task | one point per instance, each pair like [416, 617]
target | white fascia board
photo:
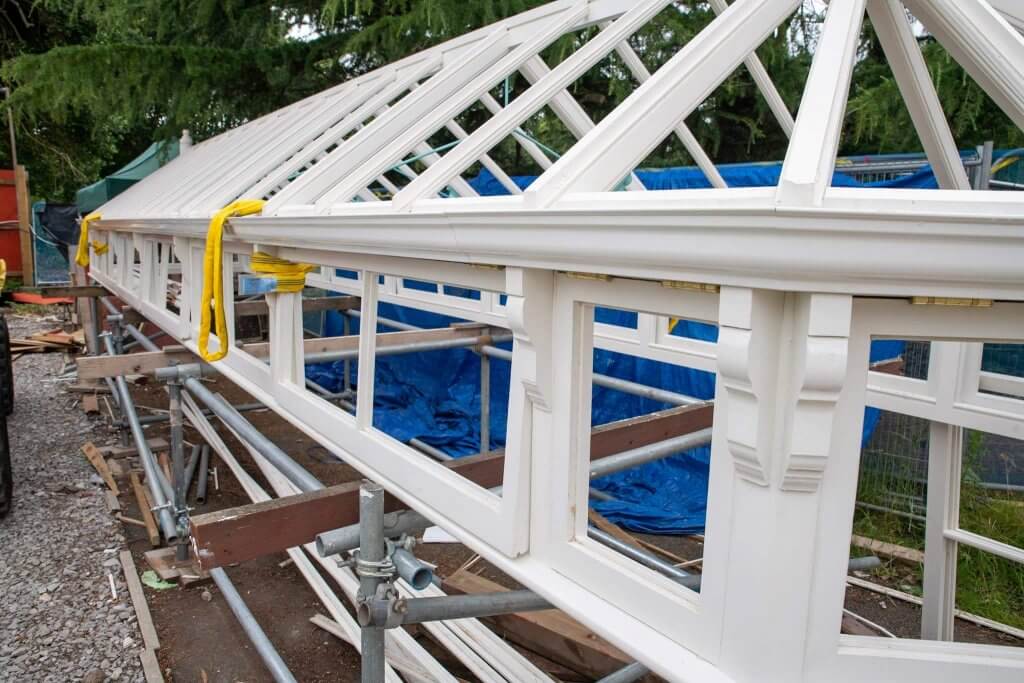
[864, 242]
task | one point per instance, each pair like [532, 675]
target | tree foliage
[95, 81]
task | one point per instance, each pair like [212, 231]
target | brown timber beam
[73, 291]
[149, 361]
[310, 305]
[245, 533]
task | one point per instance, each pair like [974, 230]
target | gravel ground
[58, 621]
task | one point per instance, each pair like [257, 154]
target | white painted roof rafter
[322, 158]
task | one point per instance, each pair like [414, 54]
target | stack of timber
[48, 342]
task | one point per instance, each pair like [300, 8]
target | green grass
[987, 585]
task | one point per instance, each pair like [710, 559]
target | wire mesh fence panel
[894, 464]
[1005, 359]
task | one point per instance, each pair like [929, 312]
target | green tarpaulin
[156, 155]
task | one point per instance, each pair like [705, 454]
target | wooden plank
[598, 520]
[143, 363]
[84, 309]
[145, 509]
[165, 464]
[28, 275]
[893, 366]
[245, 533]
[155, 444]
[853, 627]
[96, 458]
[310, 305]
[384, 339]
[90, 403]
[147, 362]
[624, 435]
[165, 563]
[131, 576]
[889, 550]
[73, 291]
[150, 666]
[88, 388]
[251, 531]
[550, 633]
[116, 467]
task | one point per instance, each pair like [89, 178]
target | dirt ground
[201, 640]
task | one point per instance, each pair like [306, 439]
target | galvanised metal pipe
[204, 474]
[406, 521]
[386, 322]
[295, 473]
[435, 453]
[419, 610]
[409, 567]
[863, 564]
[94, 325]
[136, 342]
[178, 463]
[141, 339]
[190, 468]
[347, 538]
[644, 391]
[485, 403]
[243, 408]
[627, 674]
[372, 551]
[647, 559]
[278, 669]
[154, 478]
[625, 386]
[649, 453]
[113, 392]
[398, 349]
[109, 305]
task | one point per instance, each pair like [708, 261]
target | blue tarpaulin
[435, 396]
[735, 175]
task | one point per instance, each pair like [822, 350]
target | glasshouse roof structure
[368, 189]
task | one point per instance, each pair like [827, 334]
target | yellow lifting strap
[213, 277]
[290, 276]
[82, 255]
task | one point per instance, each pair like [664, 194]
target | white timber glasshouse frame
[799, 279]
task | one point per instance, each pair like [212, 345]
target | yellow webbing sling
[82, 255]
[289, 276]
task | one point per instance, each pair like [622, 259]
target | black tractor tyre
[6, 370]
[6, 482]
